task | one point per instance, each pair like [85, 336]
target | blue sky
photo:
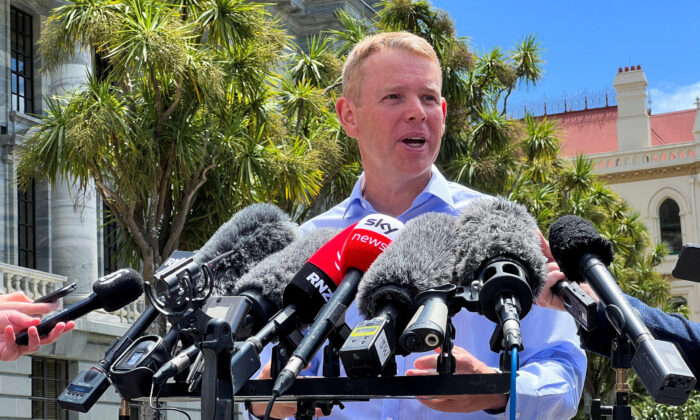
[585, 42]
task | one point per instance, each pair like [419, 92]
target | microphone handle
[329, 316]
[620, 313]
[77, 310]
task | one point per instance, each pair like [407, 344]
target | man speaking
[392, 106]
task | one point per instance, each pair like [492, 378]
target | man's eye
[392, 96]
[430, 98]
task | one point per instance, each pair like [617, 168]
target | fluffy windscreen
[118, 289]
[492, 227]
[570, 237]
[421, 258]
[247, 238]
[273, 273]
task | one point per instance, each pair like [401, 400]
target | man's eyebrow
[393, 88]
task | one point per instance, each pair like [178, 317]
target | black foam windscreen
[492, 227]
[272, 274]
[118, 289]
[247, 238]
[570, 237]
[421, 258]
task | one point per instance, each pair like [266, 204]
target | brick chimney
[633, 126]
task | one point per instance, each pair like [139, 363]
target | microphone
[303, 296]
[176, 365]
[263, 285]
[365, 242]
[421, 258]
[499, 256]
[292, 276]
[583, 255]
[249, 236]
[110, 293]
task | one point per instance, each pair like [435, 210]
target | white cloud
[674, 98]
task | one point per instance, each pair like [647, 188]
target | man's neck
[393, 199]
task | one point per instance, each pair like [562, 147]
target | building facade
[652, 161]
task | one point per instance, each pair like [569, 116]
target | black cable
[156, 408]
[274, 396]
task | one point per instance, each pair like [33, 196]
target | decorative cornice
[658, 172]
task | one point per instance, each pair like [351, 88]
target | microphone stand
[306, 409]
[446, 362]
[621, 353]
[217, 389]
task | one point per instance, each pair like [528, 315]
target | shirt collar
[437, 187]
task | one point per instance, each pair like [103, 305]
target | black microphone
[250, 235]
[583, 255]
[421, 258]
[263, 285]
[310, 261]
[499, 254]
[366, 241]
[110, 293]
[235, 255]
[270, 280]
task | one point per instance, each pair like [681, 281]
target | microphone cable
[271, 404]
[513, 376]
[158, 408]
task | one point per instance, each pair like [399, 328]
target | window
[22, 57]
[49, 379]
[26, 240]
[670, 223]
[110, 236]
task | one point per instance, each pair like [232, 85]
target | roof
[593, 131]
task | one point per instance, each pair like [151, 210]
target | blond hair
[352, 70]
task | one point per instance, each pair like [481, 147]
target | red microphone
[314, 284]
[363, 245]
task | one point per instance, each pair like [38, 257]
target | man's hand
[11, 320]
[280, 409]
[466, 364]
[547, 299]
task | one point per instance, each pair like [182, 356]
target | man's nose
[415, 110]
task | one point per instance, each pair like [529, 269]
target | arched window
[670, 223]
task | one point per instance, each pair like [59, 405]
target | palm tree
[181, 130]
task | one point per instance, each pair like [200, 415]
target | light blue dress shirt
[552, 365]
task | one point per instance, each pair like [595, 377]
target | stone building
[652, 161]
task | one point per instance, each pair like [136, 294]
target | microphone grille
[421, 258]
[118, 289]
[492, 227]
[248, 237]
[571, 236]
[273, 273]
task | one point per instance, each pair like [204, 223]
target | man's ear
[346, 114]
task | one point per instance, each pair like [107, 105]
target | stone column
[74, 228]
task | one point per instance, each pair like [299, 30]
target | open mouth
[414, 141]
